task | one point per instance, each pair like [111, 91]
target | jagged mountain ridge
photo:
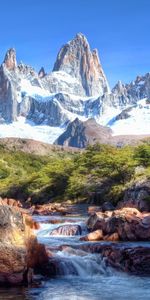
[77, 87]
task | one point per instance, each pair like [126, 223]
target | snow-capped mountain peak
[40, 105]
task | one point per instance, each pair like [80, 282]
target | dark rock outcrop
[131, 260]
[80, 134]
[42, 73]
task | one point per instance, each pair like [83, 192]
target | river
[81, 275]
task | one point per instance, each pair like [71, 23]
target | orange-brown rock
[10, 201]
[92, 209]
[51, 208]
[114, 237]
[32, 223]
[20, 252]
[96, 235]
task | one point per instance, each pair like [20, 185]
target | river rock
[134, 260]
[96, 235]
[50, 209]
[68, 230]
[10, 202]
[94, 208]
[127, 224]
[114, 237]
[19, 250]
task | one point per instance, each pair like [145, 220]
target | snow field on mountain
[23, 129]
[137, 124]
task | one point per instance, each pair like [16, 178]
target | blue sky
[119, 29]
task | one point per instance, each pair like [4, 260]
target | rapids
[80, 275]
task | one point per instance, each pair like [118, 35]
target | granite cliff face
[10, 59]
[76, 59]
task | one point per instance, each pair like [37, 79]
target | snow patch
[28, 130]
[35, 91]
[63, 76]
[137, 123]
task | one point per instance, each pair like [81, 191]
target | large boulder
[20, 252]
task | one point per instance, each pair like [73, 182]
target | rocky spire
[42, 73]
[10, 59]
[76, 59]
[119, 88]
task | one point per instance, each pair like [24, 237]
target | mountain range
[72, 100]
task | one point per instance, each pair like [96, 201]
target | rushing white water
[80, 275]
[84, 276]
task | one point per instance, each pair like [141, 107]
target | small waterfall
[77, 262]
[68, 259]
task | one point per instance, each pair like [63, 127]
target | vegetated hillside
[99, 173]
